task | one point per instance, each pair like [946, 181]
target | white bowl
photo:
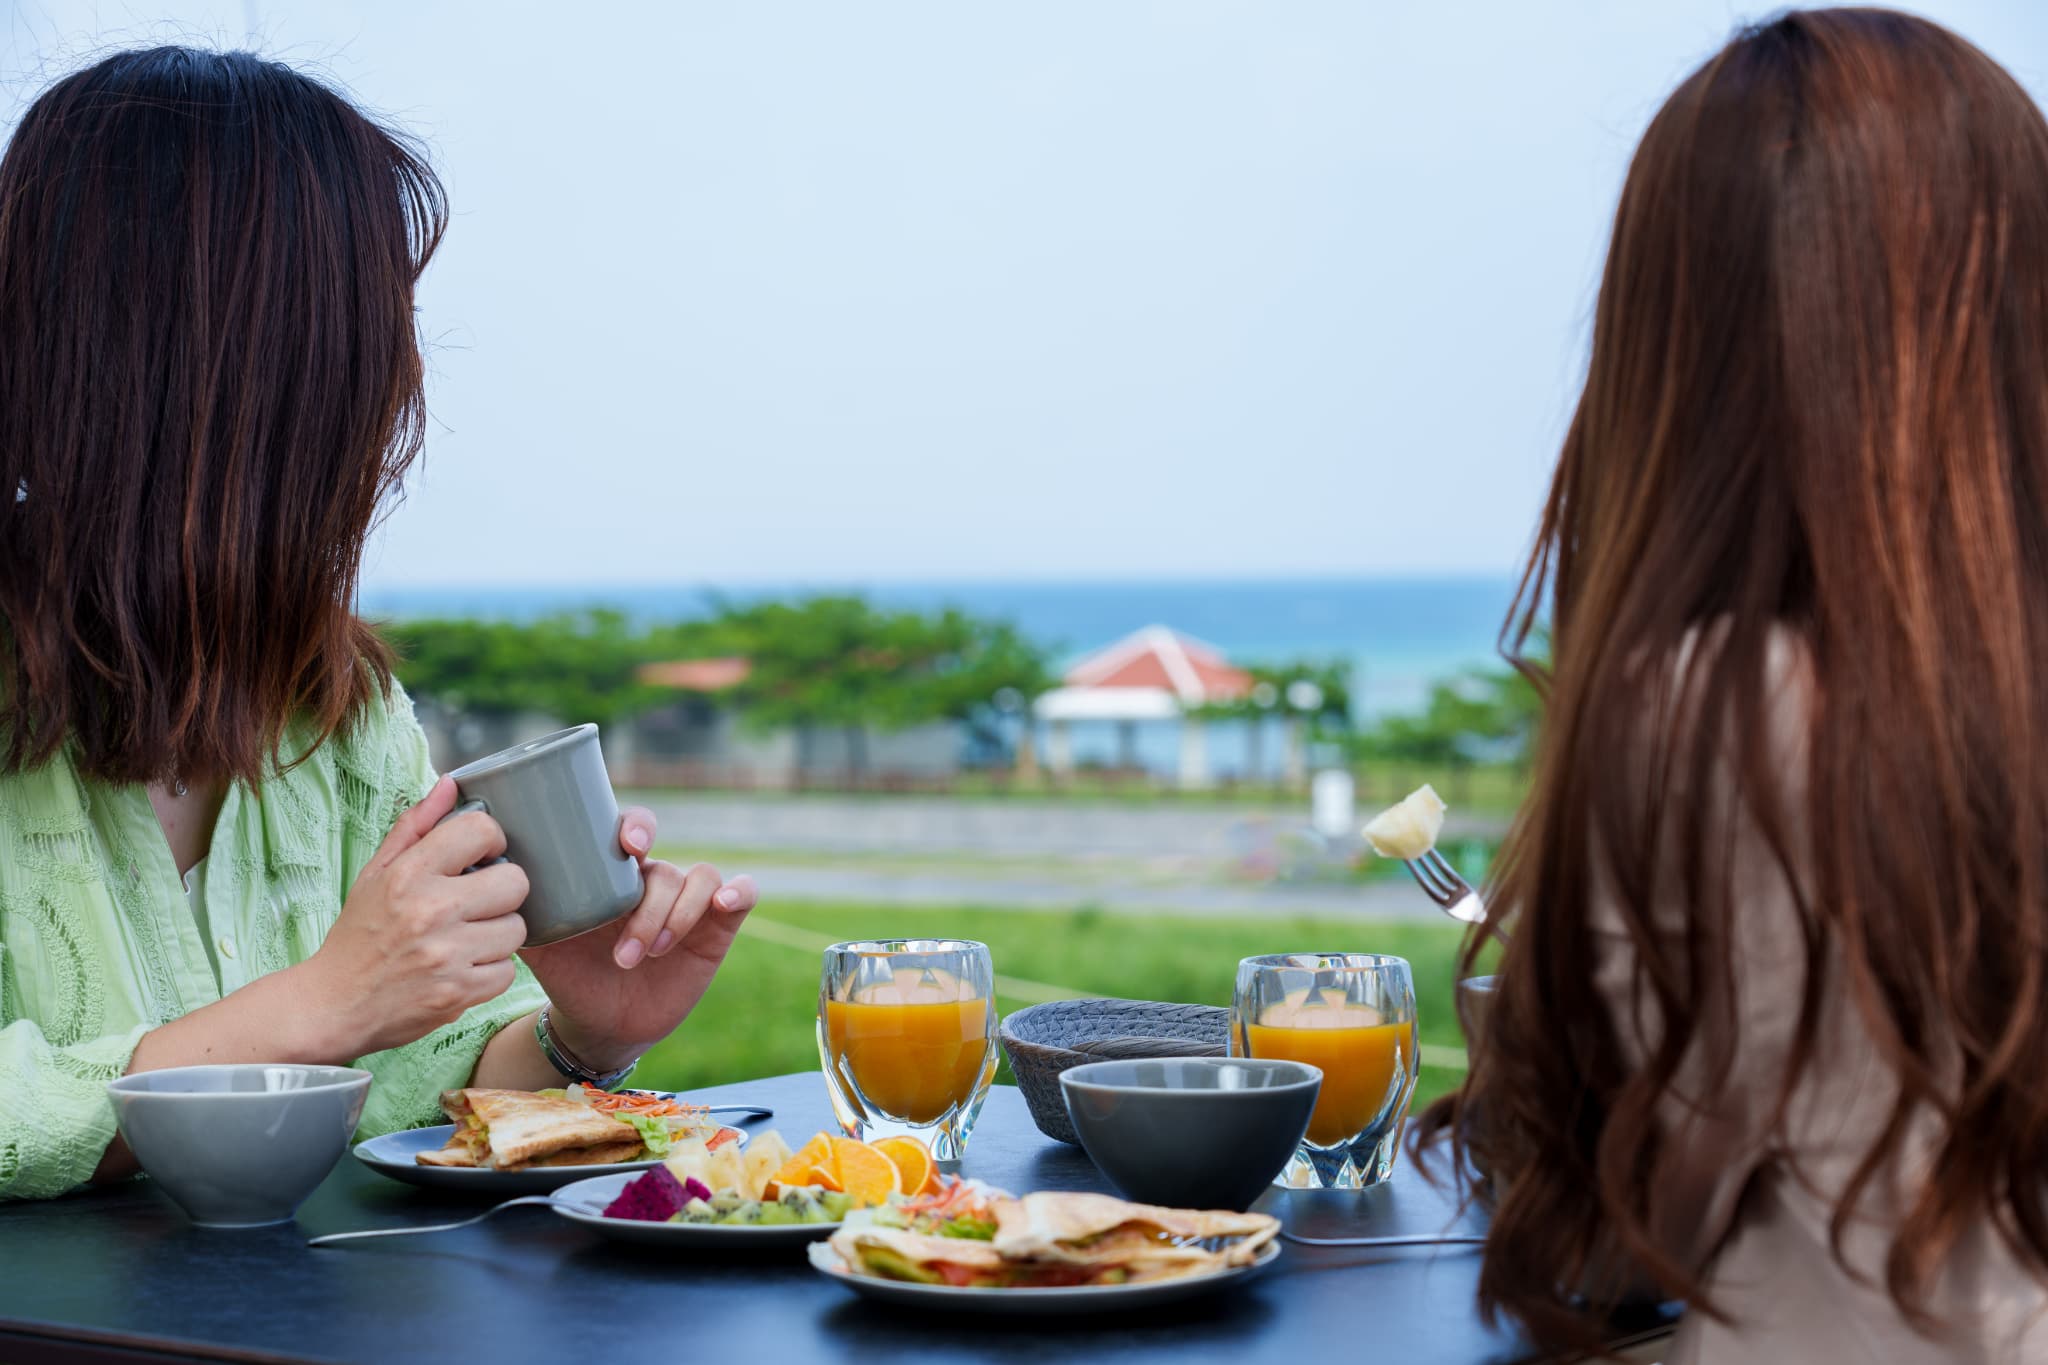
[239, 1146]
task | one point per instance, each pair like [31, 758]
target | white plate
[395, 1155]
[595, 1195]
[1085, 1298]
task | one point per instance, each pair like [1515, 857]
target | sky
[811, 291]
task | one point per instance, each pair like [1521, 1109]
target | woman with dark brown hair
[218, 820]
[1771, 1035]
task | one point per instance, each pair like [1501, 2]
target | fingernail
[727, 899]
[661, 942]
[629, 953]
[636, 839]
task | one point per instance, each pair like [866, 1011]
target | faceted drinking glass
[907, 1038]
[1353, 1016]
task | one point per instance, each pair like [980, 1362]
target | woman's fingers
[495, 940]
[671, 905]
[700, 884]
[492, 892]
[489, 980]
[458, 842]
[636, 830]
[661, 884]
[738, 895]
[416, 823]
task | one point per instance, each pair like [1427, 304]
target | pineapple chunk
[721, 1171]
[689, 1157]
[1409, 829]
[765, 1155]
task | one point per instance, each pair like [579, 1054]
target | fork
[549, 1200]
[752, 1111]
[1442, 884]
[1420, 1239]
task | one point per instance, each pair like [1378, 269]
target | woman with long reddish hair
[220, 834]
[1771, 1033]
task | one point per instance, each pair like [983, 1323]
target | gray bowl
[239, 1146]
[1191, 1132]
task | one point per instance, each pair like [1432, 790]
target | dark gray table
[119, 1275]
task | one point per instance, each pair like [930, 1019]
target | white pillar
[1297, 752]
[1027, 749]
[1059, 745]
[1194, 754]
[1333, 807]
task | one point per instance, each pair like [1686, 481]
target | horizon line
[804, 583]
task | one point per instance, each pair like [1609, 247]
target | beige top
[1764, 1200]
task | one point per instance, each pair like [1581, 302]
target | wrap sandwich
[511, 1130]
[1050, 1240]
[1094, 1229]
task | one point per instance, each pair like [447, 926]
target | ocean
[1400, 634]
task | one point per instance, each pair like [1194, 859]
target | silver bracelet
[563, 1060]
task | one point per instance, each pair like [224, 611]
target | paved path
[926, 825]
[852, 882]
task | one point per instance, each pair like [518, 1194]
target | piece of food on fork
[1409, 831]
[1409, 828]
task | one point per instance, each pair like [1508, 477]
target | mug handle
[464, 808]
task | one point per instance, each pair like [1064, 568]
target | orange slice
[913, 1160]
[867, 1176]
[801, 1169]
[821, 1177]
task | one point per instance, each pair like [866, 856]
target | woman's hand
[418, 942]
[617, 991]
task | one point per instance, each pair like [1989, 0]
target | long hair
[1816, 410]
[209, 382]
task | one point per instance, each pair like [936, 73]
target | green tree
[1483, 715]
[574, 665]
[840, 663]
[820, 662]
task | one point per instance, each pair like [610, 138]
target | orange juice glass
[1351, 1015]
[907, 1038]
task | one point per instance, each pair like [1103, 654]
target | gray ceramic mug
[554, 800]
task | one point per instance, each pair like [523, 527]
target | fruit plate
[1094, 1298]
[585, 1201]
[395, 1155]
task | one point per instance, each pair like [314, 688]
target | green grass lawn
[758, 1018]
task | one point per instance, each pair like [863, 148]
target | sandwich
[1055, 1240]
[920, 1258]
[1092, 1229]
[511, 1130]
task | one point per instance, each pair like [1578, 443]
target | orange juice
[1359, 1057]
[915, 1046]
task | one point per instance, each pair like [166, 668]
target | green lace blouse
[99, 943]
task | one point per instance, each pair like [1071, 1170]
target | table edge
[34, 1331]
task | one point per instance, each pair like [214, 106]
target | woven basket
[1044, 1040]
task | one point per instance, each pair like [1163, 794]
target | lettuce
[975, 1229]
[653, 1131]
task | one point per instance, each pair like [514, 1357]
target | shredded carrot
[955, 1197]
[654, 1106]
